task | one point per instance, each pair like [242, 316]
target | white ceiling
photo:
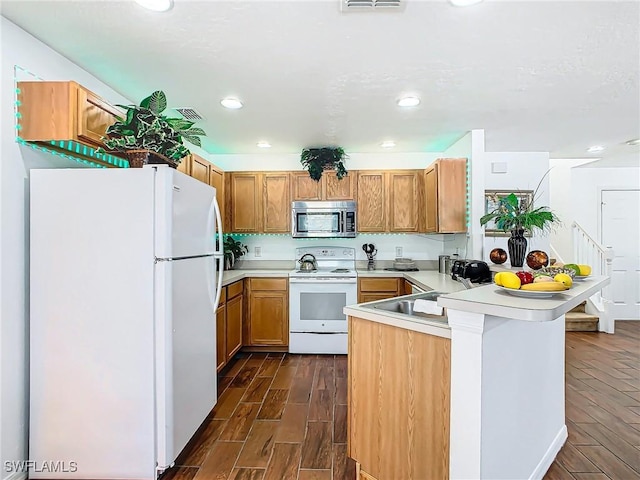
[554, 76]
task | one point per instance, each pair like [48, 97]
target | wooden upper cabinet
[304, 187]
[63, 111]
[246, 202]
[446, 196]
[94, 116]
[276, 203]
[404, 197]
[200, 168]
[216, 180]
[372, 201]
[335, 189]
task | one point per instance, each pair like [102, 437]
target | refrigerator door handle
[219, 254]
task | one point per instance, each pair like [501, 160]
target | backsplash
[415, 246]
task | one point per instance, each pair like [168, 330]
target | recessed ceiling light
[388, 144]
[595, 149]
[635, 141]
[156, 5]
[231, 102]
[264, 144]
[408, 102]
[464, 3]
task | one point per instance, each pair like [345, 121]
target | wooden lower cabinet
[268, 312]
[371, 289]
[229, 323]
[402, 379]
[234, 326]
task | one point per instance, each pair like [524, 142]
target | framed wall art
[491, 198]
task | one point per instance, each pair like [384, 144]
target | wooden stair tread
[577, 321]
[580, 316]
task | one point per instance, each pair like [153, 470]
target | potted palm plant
[518, 214]
[147, 136]
[233, 250]
[316, 160]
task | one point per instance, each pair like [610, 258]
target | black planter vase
[517, 247]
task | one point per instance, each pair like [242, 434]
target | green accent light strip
[58, 153]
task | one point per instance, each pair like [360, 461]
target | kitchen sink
[405, 305]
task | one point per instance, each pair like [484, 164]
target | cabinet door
[94, 117]
[335, 189]
[371, 201]
[216, 180]
[185, 165]
[200, 168]
[452, 195]
[269, 321]
[276, 203]
[431, 198]
[246, 202]
[304, 188]
[221, 352]
[404, 200]
[234, 326]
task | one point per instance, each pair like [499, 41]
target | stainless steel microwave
[323, 219]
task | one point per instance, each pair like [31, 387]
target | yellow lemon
[564, 279]
[510, 280]
[585, 270]
[497, 279]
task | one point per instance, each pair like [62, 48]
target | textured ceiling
[553, 76]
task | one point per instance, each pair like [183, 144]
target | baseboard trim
[550, 455]
[16, 476]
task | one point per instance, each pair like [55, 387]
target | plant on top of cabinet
[316, 160]
[145, 133]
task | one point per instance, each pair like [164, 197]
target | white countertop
[492, 300]
[230, 276]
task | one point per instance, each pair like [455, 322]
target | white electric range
[317, 297]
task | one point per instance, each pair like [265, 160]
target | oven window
[322, 306]
[318, 222]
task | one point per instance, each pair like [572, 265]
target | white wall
[587, 182]
[561, 200]
[20, 48]
[356, 161]
[523, 172]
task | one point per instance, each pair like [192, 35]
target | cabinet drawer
[235, 289]
[268, 283]
[378, 284]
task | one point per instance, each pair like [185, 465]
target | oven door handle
[328, 281]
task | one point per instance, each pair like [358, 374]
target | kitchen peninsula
[479, 394]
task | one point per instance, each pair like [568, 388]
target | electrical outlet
[257, 251]
[398, 252]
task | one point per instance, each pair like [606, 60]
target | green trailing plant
[145, 128]
[513, 212]
[233, 249]
[316, 160]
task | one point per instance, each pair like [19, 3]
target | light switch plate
[257, 251]
[398, 252]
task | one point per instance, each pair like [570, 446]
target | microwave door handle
[343, 220]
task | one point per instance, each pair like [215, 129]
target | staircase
[578, 320]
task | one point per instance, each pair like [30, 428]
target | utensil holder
[371, 264]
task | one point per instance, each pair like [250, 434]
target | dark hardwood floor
[278, 417]
[602, 406]
[283, 417]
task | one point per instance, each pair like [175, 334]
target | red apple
[525, 277]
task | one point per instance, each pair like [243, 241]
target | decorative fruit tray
[531, 293]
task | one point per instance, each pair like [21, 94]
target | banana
[544, 287]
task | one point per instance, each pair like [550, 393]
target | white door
[185, 215]
[186, 357]
[620, 214]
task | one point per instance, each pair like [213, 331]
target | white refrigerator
[123, 295]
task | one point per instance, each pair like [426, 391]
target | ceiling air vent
[189, 113]
[364, 5]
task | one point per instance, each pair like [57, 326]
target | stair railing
[588, 251]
